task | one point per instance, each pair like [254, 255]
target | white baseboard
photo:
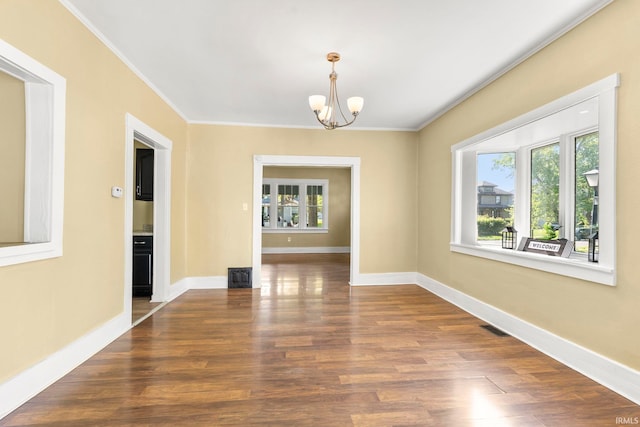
[177, 289]
[210, 282]
[308, 250]
[32, 381]
[35, 379]
[611, 374]
[381, 279]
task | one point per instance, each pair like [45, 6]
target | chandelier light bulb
[316, 102]
[355, 104]
[325, 113]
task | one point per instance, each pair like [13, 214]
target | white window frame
[464, 189]
[302, 224]
[45, 93]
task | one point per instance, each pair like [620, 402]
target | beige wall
[220, 180]
[405, 190]
[601, 318]
[338, 202]
[12, 143]
[46, 305]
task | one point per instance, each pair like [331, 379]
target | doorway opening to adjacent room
[266, 166]
[151, 224]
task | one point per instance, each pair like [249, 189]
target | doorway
[352, 163]
[157, 219]
[143, 213]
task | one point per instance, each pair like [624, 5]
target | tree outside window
[586, 159]
[545, 191]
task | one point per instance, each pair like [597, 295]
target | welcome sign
[559, 247]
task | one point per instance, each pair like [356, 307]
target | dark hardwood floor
[141, 307]
[308, 350]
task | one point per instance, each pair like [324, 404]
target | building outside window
[495, 204]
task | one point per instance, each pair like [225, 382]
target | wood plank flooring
[308, 350]
[141, 306]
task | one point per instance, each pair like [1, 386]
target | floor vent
[239, 278]
[495, 330]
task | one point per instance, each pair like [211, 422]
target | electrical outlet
[289, 239]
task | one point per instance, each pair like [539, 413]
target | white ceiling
[255, 62]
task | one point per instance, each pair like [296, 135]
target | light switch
[245, 207]
[116, 192]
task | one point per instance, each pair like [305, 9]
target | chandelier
[329, 114]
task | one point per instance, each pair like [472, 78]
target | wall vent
[239, 278]
[495, 330]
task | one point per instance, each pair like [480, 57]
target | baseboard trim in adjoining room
[308, 250]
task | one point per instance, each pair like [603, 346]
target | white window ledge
[289, 230]
[572, 267]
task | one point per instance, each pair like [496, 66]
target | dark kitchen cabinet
[142, 265]
[144, 174]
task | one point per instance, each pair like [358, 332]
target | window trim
[302, 226]
[45, 93]
[464, 188]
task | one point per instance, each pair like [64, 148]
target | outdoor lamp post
[594, 249]
[592, 179]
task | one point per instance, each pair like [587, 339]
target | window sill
[572, 267]
[19, 253]
[290, 230]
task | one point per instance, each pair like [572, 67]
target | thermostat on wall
[116, 192]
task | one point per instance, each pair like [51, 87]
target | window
[495, 195]
[586, 148]
[544, 184]
[288, 206]
[266, 203]
[297, 205]
[314, 206]
[35, 212]
[535, 168]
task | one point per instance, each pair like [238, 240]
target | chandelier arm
[347, 123]
[320, 121]
[340, 108]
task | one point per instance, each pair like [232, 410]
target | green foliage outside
[545, 186]
[489, 227]
[586, 160]
[549, 232]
